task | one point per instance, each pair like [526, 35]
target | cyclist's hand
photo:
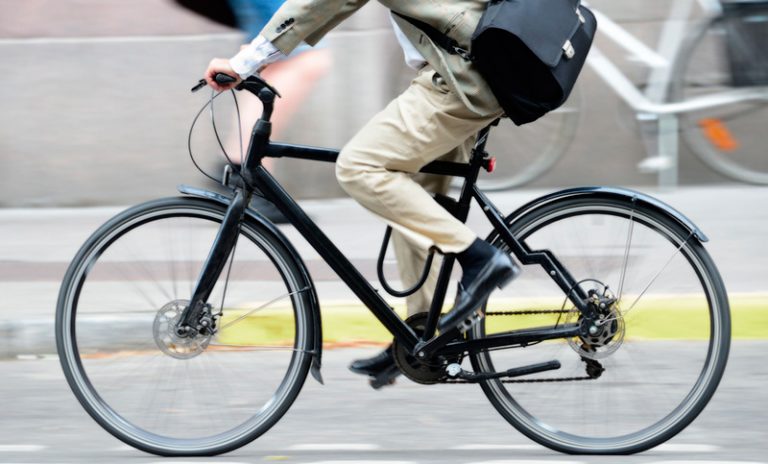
[221, 65]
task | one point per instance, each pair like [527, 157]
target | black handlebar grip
[224, 79]
[220, 78]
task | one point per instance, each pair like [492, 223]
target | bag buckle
[464, 53]
[568, 49]
[580, 15]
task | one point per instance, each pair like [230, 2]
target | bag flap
[545, 26]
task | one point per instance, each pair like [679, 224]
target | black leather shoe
[375, 365]
[497, 272]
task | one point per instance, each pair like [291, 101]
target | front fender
[615, 193]
[317, 343]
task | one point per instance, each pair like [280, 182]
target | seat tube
[441, 289]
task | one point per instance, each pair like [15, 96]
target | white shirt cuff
[258, 53]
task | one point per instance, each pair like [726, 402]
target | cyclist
[436, 117]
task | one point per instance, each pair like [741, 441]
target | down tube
[331, 254]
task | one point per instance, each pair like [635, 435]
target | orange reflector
[718, 134]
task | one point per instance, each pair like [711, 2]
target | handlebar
[254, 84]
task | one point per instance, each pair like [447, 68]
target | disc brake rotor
[601, 338]
[164, 332]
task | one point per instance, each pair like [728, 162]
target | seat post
[476, 163]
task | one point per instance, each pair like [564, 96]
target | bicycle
[188, 326]
[707, 84]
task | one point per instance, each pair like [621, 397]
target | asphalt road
[346, 421]
[40, 420]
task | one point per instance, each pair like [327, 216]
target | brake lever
[221, 78]
[200, 84]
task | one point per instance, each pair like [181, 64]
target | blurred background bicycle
[707, 84]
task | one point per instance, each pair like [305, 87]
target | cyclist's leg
[420, 126]
[375, 168]
[411, 257]
[409, 254]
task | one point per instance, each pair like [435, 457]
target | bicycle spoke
[630, 229]
[656, 276]
[258, 347]
[265, 305]
[229, 271]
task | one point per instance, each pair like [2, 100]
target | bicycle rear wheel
[664, 346]
[728, 138]
[168, 395]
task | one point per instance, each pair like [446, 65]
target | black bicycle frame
[256, 176]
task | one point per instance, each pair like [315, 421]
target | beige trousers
[379, 167]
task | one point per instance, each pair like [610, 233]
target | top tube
[261, 147]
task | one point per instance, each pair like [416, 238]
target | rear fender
[640, 199]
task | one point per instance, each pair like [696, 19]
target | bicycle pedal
[385, 378]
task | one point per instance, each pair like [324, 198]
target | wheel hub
[164, 331]
[426, 372]
[602, 336]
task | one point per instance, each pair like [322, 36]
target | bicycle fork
[190, 323]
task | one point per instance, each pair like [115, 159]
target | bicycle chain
[531, 312]
[528, 312]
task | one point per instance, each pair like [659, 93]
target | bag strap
[443, 41]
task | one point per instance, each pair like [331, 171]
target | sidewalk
[37, 244]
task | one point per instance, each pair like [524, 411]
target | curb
[26, 337]
[345, 324]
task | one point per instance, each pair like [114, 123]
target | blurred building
[96, 105]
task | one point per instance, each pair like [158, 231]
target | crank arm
[455, 371]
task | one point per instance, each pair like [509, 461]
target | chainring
[424, 372]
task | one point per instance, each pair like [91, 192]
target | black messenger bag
[530, 52]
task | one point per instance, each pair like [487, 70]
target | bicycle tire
[728, 138]
[169, 396]
[526, 153]
[659, 373]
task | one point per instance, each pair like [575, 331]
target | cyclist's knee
[349, 171]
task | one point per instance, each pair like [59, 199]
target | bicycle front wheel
[119, 304]
[656, 360]
[728, 138]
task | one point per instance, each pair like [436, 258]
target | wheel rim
[622, 410]
[235, 386]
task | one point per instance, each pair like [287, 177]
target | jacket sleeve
[306, 21]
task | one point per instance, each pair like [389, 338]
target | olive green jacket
[310, 20]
